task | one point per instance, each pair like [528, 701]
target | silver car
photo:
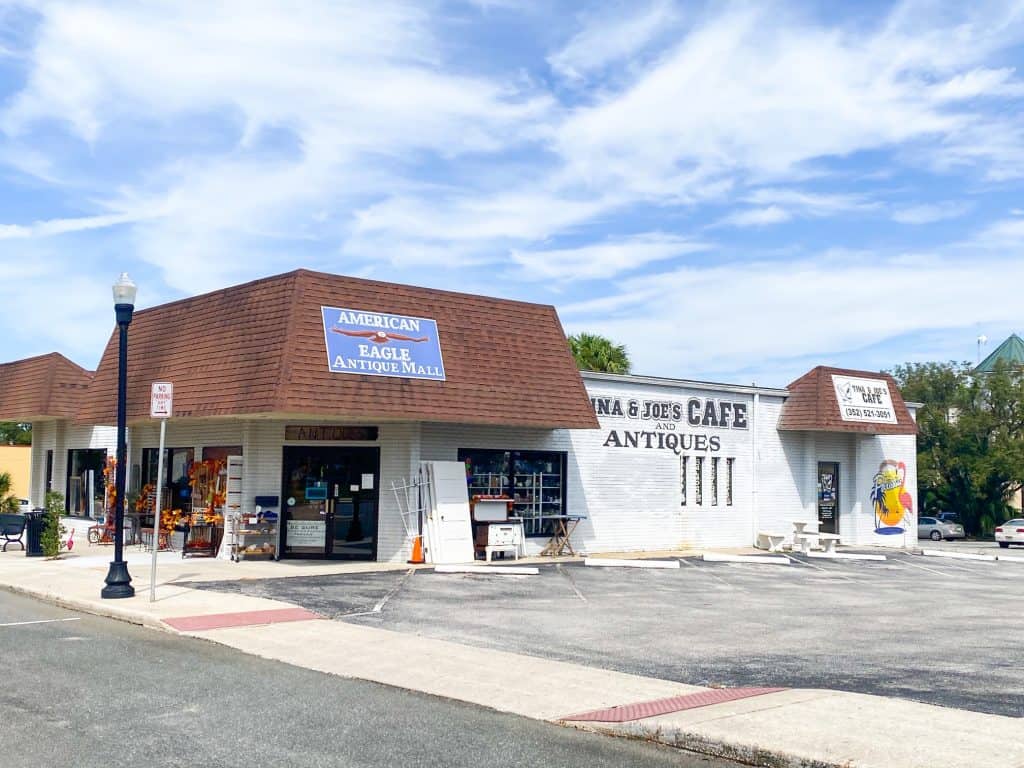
[936, 530]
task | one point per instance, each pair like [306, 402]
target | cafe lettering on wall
[667, 416]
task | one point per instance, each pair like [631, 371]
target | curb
[84, 606]
[696, 743]
[674, 738]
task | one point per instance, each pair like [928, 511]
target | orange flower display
[110, 481]
[142, 503]
[208, 484]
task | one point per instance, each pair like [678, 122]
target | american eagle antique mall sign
[381, 344]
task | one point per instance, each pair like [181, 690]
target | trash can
[35, 522]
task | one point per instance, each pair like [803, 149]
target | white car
[1010, 532]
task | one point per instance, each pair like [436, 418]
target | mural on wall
[890, 498]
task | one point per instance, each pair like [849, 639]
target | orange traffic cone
[417, 551]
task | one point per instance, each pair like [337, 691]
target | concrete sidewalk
[793, 727]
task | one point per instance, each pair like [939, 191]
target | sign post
[161, 405]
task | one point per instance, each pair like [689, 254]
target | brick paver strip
[640, 710]
[242, 619]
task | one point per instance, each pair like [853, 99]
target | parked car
[1010, 532]
[948, 517]
[936, 530]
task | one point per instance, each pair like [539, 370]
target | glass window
[535, 480]
[538, 489]
[728, 481]
[714, 481]
[698, 485]
[487, 472]
[177, 463]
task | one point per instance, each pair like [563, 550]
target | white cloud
[357, 89]
[929, 213]
[810, 203]
[358, 130]
[1006, 234]
[978, 82]
[52, 306]
[761, 92]
[611, 36]
[603, 260]
[747, 314]
[755, 217]
[63, 226]
[779, 204]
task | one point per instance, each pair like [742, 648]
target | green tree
[13, 433]
[971, 439]
[8, 501]
[597, 353]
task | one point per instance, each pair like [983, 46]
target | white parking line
[708, 572]
[958, 566]
[832, 571]
[572, 581]
[38, 621]
[930, 570]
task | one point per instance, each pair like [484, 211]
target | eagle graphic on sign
[381, 337]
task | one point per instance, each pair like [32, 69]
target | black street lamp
[119, 582]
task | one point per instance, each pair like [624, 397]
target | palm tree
[8, 501]
[597, 353]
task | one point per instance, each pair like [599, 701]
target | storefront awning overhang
[269, 347]
[42, 388]
[843, 400]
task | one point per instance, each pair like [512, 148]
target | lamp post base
[119, 583]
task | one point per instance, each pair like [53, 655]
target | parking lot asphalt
[929, 629]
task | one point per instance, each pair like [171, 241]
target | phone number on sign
[869, 413]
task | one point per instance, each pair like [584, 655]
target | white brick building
[666, 464]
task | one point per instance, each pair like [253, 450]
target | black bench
[11, 528]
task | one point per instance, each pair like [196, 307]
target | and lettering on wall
[667, 416]
[890, 498]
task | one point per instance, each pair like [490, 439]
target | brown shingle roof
[258, 348]
[40, 388]
[812, 405]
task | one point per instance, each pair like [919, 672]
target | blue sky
[736, 191]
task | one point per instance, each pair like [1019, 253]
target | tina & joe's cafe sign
[668, 422]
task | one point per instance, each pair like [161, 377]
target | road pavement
[87, 691]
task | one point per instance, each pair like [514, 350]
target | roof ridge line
[50, 372]
[285, 363]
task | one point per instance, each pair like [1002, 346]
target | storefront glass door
[828, 497]
[86, 485]
[329, 503]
